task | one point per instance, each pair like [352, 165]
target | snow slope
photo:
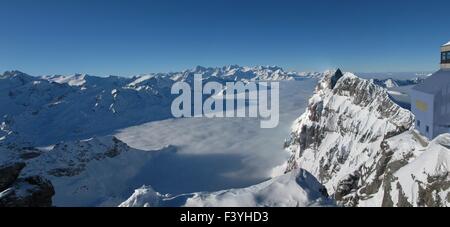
[295, 189]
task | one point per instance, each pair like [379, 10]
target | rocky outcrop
[360, 145]
[33, 191]
[9, 173]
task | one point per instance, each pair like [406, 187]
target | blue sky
[129, 37]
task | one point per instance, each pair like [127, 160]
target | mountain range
[49, 109]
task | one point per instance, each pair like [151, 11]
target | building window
[418, 123]
[427, 129]
[445, 57]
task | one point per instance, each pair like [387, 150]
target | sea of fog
[219, 153]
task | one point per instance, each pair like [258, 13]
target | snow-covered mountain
[46, 110]
[96, 172]
[364, 149]
[42, 112]
[295, 189]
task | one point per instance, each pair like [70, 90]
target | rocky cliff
[364, 149]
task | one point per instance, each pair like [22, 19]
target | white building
[430, 100]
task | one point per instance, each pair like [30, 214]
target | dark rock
[9, 174]
[29, 155]
[32, 191]
[402, 200]
[66, 172]
[434, 185]
[337, 75]
[347, 186]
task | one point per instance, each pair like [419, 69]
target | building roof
[447, 44]
[434, 83]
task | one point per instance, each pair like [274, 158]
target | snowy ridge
[238, 73]
[359, 143]
[298, 188]
[392, 83]
[76, 80]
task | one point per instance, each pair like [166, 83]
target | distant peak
[199, 68]
[238, 67]
[16, 75]
[13, 73]
[72, 80]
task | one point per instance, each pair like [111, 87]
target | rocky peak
[16, 77]
[349, 107]
[354, 139]
[335, 77]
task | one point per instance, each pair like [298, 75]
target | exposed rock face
[28, 192]
[33, 191]
[361, 145]
[9, 173]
